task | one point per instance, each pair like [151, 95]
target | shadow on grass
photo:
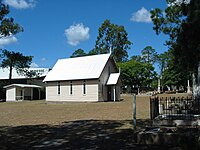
[82, 134]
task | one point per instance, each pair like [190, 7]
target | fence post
[134, 111]
[151, 108]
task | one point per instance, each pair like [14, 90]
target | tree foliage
[149, 55]
[16, 60]
[164, 61]
[78, 53]
[137, 74]
[181, 21]
[188, 40]
[169, 21]
[11, 59]
[7, 25]
[114, 37]
[94, 51]
[171, 77]
[136, 58]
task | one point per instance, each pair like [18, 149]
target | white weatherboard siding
[77, 91]
[10, 94]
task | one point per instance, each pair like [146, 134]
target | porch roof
[113, 78]
[22, 86]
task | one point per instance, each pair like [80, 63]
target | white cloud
[34, 65]
[141, 15]
[43, 59]
[7, 40]
[179, 2]
[21, 4]
[77, 33]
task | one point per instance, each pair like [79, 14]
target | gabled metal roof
[87, 67]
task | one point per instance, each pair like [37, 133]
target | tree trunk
[198, 75]
[10, 74]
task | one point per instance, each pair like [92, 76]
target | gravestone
[158, 85]
[188, 88]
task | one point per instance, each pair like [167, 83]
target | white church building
[89, 78]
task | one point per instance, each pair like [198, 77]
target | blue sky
[54, 29]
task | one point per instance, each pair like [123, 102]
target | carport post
[23, 94]
[39, 93]
[31, 93]
[134, 111]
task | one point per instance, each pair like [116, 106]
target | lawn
[102, 125]
[40, 112]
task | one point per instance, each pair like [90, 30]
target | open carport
[16, 92]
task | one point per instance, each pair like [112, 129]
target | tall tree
[188, 40]
[169, 21]
[136, 58]
[16, 60]
[7, 25]
[149, 55]
[181, 21]
[164, 60]
[115, 38]
[172, 77]
[78, 53]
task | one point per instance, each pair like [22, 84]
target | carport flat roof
[22, 85]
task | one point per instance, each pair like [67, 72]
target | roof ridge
[84, 56]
